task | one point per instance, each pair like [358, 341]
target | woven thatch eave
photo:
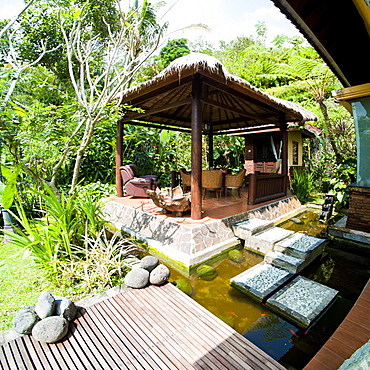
[229, 102]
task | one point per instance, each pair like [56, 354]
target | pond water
[292, 346]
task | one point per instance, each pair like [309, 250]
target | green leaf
[77, 13]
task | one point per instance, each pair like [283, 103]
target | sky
[227, 19]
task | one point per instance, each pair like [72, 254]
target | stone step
[302, 301]
[301, 246]
[264, 241]
[261, 280]
[246, 228]
[290, 263]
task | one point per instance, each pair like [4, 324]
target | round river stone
[51, 329]
[25, 320]
[149, 263]
[65, 308]
[45, 305]
[159, 275]
[137, 278]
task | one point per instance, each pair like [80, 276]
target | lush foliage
[68, 240]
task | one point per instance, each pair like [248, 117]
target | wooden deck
[152, 328]
[352, 334]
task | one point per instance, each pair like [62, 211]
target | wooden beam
[159, 126]
[240, 92]
[153, 111]
[196, 149]
[236, 110]
[247, 130]
[119, 151]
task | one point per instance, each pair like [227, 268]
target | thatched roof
[229, 102]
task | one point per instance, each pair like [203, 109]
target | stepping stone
[261, 280]
[301, 246]
[264, 241]
[245, 229]
[290, 263]
[302, 301]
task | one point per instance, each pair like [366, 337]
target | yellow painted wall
[294, 136]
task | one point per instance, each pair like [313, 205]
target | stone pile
[48, 320]
[148, 270]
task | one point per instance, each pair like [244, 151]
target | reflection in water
[309, 225]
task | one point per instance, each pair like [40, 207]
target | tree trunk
[328, 134]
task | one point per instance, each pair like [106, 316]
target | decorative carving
[173, 200]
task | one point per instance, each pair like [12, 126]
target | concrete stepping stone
[261, 280]
[245, 229]
[301, 246]
[265, 241]
[285, 261]
[302, 301]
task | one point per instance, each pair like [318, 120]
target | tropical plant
[102, 262]
[303, 185]
[337, 184]
[65, 221]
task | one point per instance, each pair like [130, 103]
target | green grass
[21, 284]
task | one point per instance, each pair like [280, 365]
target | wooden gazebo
[195, 94]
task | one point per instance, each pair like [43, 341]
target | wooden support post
[284, 153]
[252, 189]
[119, 151]
[210, 148]
[196, 149]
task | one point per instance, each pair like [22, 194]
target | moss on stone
[185, 286]
[236, 256]
[206, 272]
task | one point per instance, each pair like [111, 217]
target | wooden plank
[198, 334]
[123, 355]
[130, 344]
[201, 331]
[17, 356]
[236, 342]
[152, 328]
[165, 332]
[9, 356]
[137, 318]
[3, 360]
[215, 340]
[43, 354]
[33, 359]
[94, 344]
[133, 318]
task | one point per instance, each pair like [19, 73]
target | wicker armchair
[234, 181]
[212, 181]
[185, 179]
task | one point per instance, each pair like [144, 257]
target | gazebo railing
[263, 188]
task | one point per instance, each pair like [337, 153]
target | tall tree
[98, 68]
[313, 76]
